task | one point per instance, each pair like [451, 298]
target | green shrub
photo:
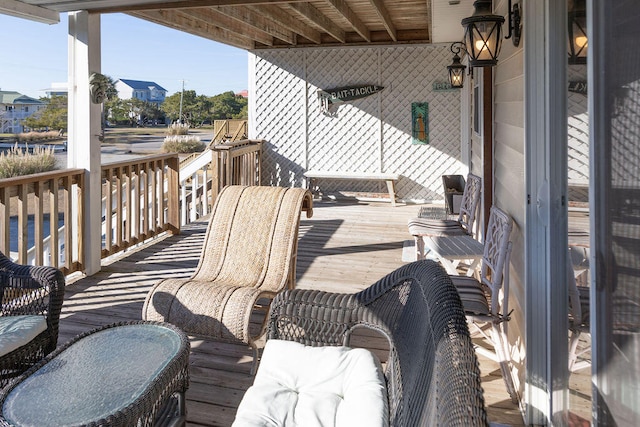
[17, 162]
[177, 129]
[182, 144]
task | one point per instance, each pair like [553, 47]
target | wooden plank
[228, 22]
[382, 12]
[308, 11]
[257, 21]
[343, 9]
[172, 19]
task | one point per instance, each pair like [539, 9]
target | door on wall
[614, 73]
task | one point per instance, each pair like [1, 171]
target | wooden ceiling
[259, 24]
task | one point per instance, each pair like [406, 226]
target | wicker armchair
[432, 372]
[249, 255]
[28, 292]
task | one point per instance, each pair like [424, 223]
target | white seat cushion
[298, 385]
[16, 331]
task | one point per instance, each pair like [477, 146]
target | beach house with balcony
[14, 108]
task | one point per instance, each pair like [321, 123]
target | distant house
[145, 91]
[57, 89]
[243, 93]
[14, 108]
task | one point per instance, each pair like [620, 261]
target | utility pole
[181, 95]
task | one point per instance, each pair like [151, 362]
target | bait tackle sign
[330, 97]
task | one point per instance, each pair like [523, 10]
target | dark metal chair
[28, 292]
[432, 372]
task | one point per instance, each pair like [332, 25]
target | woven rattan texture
[27, 289]
[249, 253]
[371, 134]
[432, 372]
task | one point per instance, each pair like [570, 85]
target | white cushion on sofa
[298, 385]
[16, 331]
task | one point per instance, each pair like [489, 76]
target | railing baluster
[23, 235]
[144, 206]
[68, 225]
[107, 173]
[128, 222]
[4, 220]
[38, 221]
[119, 213]
[54, 252]
[162, 215]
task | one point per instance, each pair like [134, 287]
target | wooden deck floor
[345, 247]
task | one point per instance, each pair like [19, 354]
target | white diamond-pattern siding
[578, 137]
[371, 134]
[280, 115]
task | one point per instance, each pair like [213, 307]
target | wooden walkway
[345, 247]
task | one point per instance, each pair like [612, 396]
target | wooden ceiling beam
[257, 21]
[314, 15]
[282, 18]
[172, 20]
[343, 9]
[157, 5]
[382, 12]
[208, 15]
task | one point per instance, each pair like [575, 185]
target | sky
[34, 55]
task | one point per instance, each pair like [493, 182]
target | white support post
[546, 389]
[84, 128]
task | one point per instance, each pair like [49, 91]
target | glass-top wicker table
[125, 374]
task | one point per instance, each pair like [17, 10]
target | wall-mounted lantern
[456, 69]
[483, 33]
[577, 27]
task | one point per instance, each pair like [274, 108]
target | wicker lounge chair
[249, 255]
[486, 301]
[422, 226]
[32, 299]
[432, 375]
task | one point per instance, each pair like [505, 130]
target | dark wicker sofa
[432, 372]
[30, 290]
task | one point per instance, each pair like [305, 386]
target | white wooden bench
[389, 178]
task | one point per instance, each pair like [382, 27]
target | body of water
[13, 230]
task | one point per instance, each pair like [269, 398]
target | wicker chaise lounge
[32, 299]
[249, 255]
[431, 374]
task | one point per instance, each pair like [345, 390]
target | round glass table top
[98, 375]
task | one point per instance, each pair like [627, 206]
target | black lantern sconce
[483, 33]
[456, 69]
[577, 27]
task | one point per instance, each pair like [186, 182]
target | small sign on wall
[579, 86]
[334, 97]
[420, 123]
[443, 87]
